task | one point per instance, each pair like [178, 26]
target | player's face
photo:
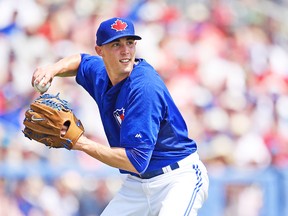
[119, 56]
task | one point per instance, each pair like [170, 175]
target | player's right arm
[66, 67]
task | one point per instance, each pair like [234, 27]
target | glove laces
[53, 101]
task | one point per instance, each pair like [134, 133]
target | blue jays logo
[119, 25]
[119, 115]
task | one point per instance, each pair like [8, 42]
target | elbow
[139, 158]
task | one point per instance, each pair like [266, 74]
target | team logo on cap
[119, 25]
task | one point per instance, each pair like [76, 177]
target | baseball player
[147, 135]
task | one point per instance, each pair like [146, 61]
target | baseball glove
[46, 118]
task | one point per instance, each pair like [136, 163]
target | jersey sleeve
[90, 74]
[141, 124]
[139, 158]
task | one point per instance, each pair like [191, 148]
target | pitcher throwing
[147, 135]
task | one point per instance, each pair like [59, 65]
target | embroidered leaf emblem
[119, 25]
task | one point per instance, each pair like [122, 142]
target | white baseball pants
[180, 192]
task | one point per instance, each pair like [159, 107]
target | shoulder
[144, 73]
[142, 64]
[91, 65]
[91, 59]
[91, 68]
[144, 79]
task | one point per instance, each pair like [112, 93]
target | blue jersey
[138, 114]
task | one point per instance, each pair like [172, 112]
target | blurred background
[225, 63]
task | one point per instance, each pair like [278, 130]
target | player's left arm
[115, 157]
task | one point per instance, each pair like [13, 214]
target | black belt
[154, 173]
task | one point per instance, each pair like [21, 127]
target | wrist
[81, 143]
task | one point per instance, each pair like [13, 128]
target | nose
[124, 49]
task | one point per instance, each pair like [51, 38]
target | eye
[116, 44]
[130, 42]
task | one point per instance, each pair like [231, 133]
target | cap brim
[136, 37]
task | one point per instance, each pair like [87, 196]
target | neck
[116, 78]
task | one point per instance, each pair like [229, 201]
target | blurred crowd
[225, 63]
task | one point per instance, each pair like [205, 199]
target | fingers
[63, 130]
[41, 75]
[36, 77]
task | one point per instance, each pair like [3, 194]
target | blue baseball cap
[113, 29]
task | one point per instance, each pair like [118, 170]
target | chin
[128, 69]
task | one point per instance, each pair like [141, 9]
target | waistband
[194, 157]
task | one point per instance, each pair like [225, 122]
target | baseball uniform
[139, 114]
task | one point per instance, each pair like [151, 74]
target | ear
[98, 50]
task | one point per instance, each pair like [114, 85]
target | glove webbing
[52, 103]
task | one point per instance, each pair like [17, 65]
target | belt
[191, 159]
[158, 172]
